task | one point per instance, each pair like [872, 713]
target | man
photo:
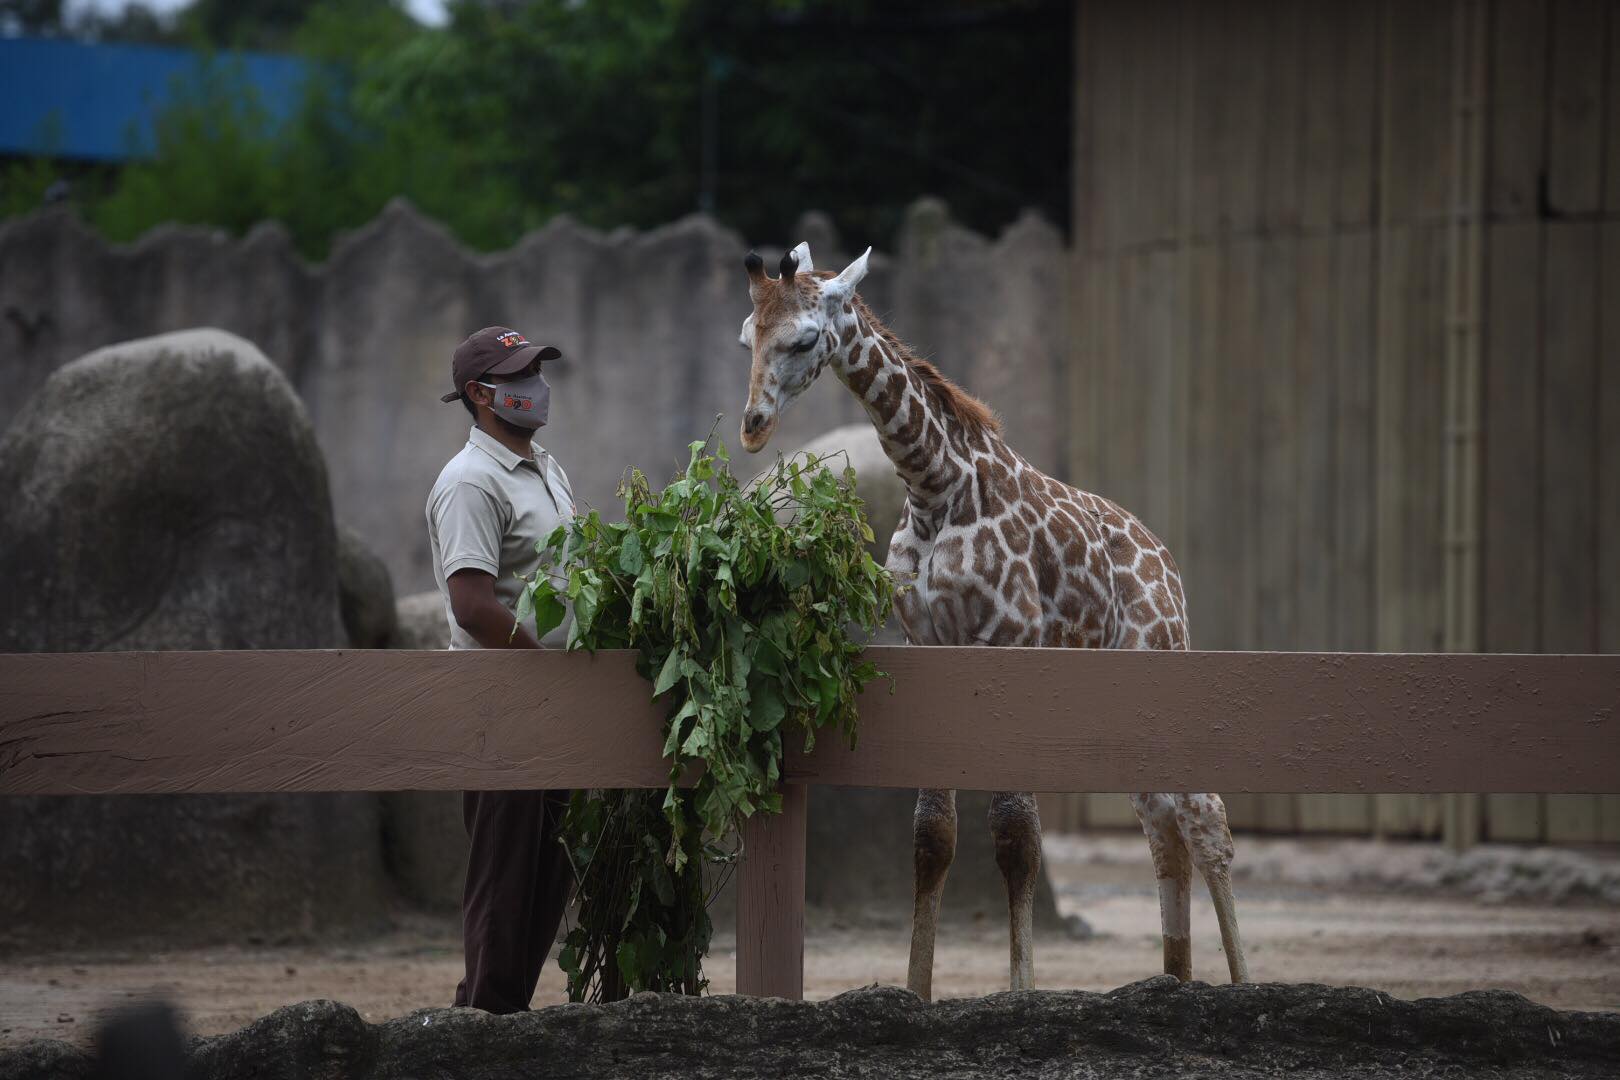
[494, 499]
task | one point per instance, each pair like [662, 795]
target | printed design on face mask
[511, 339]
[512, 402]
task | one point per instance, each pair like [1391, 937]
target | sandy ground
[1339, 925]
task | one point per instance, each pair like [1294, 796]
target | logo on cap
[511, 339]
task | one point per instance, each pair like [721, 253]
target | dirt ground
[1346, 921]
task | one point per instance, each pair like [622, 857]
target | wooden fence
[980, 719]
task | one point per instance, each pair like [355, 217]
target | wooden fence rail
[978, 719]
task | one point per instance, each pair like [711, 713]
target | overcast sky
[428, 11]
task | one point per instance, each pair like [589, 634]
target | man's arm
[472, 601]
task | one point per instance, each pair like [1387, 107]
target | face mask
[525, 403]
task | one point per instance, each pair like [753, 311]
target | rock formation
[169, 494]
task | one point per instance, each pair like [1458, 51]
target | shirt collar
[489, 445]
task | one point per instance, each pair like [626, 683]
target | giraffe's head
[793, 331]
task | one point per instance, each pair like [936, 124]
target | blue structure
[96, 102]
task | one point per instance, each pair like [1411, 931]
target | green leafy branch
[743, 604]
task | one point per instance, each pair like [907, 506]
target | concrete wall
[647, 321]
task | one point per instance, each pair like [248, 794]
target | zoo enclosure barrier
[967, 718]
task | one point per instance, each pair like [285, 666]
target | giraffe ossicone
[991, 551]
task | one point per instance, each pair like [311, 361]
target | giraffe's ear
[803, 253]
[841, 288]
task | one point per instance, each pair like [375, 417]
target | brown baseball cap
[494, 350]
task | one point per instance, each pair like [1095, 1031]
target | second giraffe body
[991, 552]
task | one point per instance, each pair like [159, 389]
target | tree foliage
[740, 602]
[618, 112]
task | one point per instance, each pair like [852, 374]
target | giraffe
[991, 552]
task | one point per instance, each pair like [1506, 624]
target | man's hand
[472, 601]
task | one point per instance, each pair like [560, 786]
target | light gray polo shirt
[486, 511]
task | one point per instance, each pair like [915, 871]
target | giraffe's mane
[974, 415]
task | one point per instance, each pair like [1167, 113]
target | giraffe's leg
[1209, 840]
[1157, 813]
[934, 846]
[1015, 825]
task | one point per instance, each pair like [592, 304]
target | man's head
[792, 333]
[488, 363]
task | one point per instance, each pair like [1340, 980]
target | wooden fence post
[770, 900]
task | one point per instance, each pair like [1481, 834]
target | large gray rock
[420, 622]
[365, 594]
[168, 494]
[1156, 1028]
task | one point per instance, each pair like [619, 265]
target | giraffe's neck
[928, 446]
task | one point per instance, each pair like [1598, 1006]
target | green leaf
[549, 611]
[630, 557]
[765, 707]
[668, 673]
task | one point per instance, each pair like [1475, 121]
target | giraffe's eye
[807, 340]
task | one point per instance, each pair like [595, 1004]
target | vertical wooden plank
[1396, 815]
[1608, 450]
[1227, 128]
[1410, 416]
[1515, 818]
[1138, 410]
[1354, 484]
[1517, 104]
[1512, 416]
[1569, 438]
[1572, 819]
[1107, 142]
[1278, 812]
[1609, 818]
[1575, 109]
[1129, 41]
[1282, 131]
[1201, 61]
[1237, 364]
[1273, 528]
[1414, 195]
[1104, 357]
[1315, 464]
[770, 900]
[1082, 133]
[1158, 122]
[1156, 308]
[1611, 137]
[1242, 152]
[1209, 608]
[1425, 408]
[1354, 813]
[1316, 814]
[1417, 113]
[1082, 433]
[1123, 403]
[1359, 137]
[1394, 255]
[1322, 53]
[1110, 810]
[1464, 821]
[1244, 811]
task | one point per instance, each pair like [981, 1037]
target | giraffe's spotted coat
[991, 551]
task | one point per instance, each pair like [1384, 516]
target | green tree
[618, 112]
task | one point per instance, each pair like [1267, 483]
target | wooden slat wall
[1262, 198]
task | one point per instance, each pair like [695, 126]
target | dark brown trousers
[518, 881]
